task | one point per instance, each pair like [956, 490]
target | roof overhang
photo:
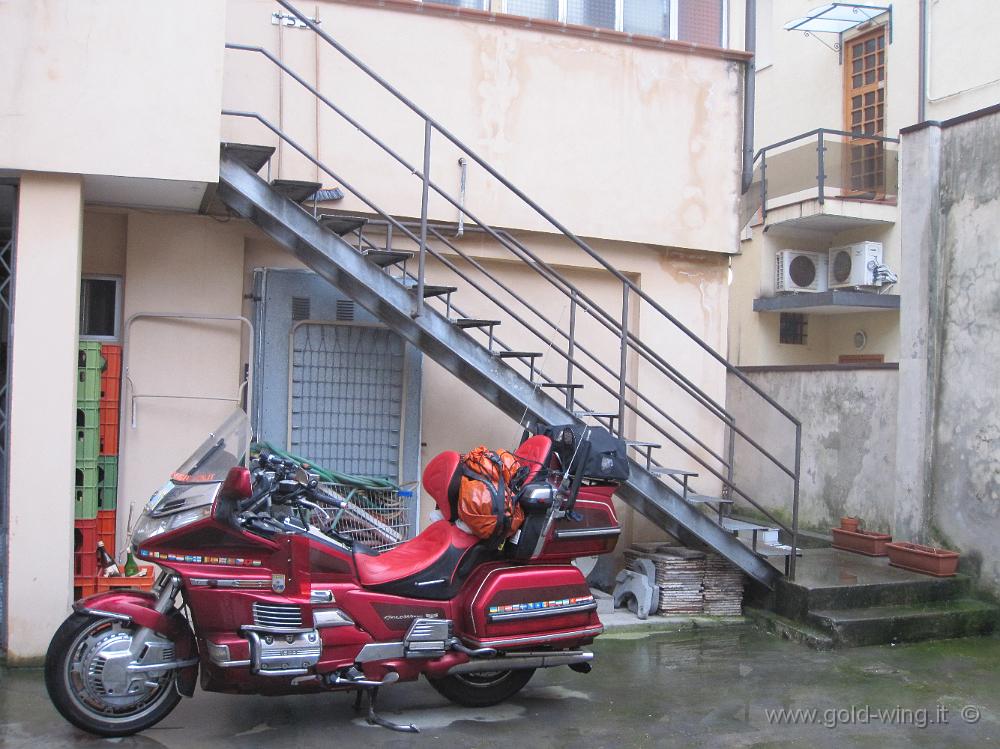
[838, 19]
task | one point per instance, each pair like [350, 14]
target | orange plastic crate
[116, 583]
[109, 430]
[111, 376]
[83, 587]
[85, 548]
[107, 521]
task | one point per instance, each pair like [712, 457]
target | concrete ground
[715, 687]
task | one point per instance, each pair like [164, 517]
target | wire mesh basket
[376, 512]
[379, 518]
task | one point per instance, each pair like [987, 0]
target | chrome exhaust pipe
[521, 661]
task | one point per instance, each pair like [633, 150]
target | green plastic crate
[90, 356]
[90, 365]
[88, 387]
[88, 432]
[85, 491]
[107, 482]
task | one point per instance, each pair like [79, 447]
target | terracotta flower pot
[920, 558]
[850, 524]
[861, 542]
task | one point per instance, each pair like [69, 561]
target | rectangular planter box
[861, 542]
[925, 559]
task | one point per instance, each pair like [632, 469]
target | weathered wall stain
[848, 443]
[964, 498]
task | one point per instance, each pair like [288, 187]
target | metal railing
[618, 381]
[823, 163]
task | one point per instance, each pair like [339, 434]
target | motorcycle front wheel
[482, 690]
[89, 681]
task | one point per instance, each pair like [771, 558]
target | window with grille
[792, 328]
[864, 98]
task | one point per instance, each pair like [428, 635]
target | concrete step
[878, 625]
[831, 579]
[788, 629]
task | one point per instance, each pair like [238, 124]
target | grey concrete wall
[848, 443]
[952, 497]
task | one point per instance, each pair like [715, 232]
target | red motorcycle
[260, 593]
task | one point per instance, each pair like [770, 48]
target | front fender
[137, 607]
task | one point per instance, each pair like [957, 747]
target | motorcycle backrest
[438, 477]
[535, 452]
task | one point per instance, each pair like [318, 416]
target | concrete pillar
[921, 292]
[43, 413]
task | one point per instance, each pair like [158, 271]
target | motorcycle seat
[432, 565]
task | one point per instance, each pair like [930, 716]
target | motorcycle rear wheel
[76, 685]
[482, 690]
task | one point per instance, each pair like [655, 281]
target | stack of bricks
[97, 409]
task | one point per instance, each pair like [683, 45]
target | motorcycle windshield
[223, 449]
[189, 495]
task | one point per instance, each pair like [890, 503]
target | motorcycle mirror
[237, 484]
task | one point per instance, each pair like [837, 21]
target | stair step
[295, 190]
[472, 322]
[385, 258]
[741, 525]
[663, 471]
[706, 499]
[562, 385]
[253, 156]
[516, 354]
[432, 291]
[341, 225]
[877, 625]
[776, 550]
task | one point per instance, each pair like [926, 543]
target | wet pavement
[720, 687]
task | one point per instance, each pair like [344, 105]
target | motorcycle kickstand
[374, 719]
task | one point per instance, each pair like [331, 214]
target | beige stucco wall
[174, 263]
[42, 412]
[95, 88]
[617, 141]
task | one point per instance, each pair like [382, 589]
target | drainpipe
[922, 66]
[750, 36]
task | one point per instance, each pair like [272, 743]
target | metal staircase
[370, 258]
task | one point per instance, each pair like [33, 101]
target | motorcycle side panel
[597, 508]
[528, 606]
[388, 617]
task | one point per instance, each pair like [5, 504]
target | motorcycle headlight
[149, 526]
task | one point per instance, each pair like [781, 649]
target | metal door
[333, 384]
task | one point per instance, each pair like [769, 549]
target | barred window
[792, 328]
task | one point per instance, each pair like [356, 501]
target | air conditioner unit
[796, 270]
[854, 264]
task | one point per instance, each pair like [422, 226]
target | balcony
[824, 181]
